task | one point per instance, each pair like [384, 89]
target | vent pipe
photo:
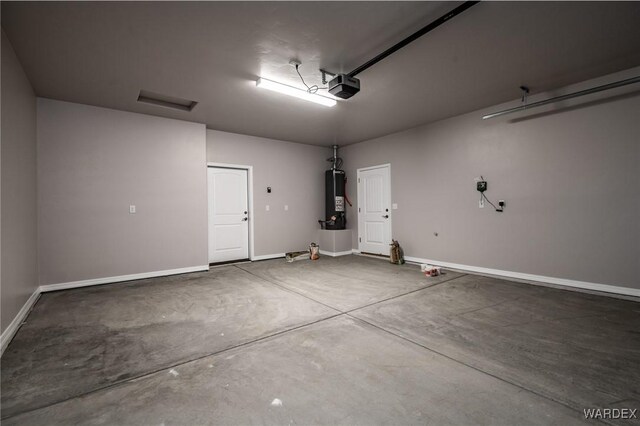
[335, 157]
[336, 162]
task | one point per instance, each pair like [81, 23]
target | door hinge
[358, 209]
[358, 180]
[359, 240]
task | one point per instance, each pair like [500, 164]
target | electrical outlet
[132, 209]
[267, 208]
[481, 203]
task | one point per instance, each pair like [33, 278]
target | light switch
[286, 207]
[267, 208]
[394, 206]
[132, 209]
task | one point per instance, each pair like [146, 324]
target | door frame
[249, 170]
[358, 172]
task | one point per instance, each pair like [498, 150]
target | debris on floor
[314, 251]
[297, 255]
[174, 373]
[430, 270]
[397, 254]
[276, 403]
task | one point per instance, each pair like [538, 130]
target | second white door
[374, 210]
[228, 214]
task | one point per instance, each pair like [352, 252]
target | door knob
[386, 216]
[245, 219]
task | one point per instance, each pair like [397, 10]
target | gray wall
[92, 164]
[19, 216]
[295, 172]
[569, 174]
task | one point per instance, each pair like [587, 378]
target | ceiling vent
[166, 101]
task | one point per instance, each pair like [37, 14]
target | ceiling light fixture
[166, 101]
[285, 89]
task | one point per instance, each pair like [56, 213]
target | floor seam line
[333, 314]
[404, 294]
[290, 290]
[119, 383]
[465, 364]
[486, 307]
[359, 307]
[181, 363]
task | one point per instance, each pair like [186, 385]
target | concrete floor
[350, 340]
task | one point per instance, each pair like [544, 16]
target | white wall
[569, 174]
[295, 172]
[19, 275]
[92, 164]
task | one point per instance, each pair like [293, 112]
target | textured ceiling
[103, 53]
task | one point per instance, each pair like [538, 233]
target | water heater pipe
[336, 162]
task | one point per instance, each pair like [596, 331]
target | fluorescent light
[263, 83]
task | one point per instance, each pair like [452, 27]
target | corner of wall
[18, 238]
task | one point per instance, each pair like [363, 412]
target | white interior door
[228, 214]
[374, 210]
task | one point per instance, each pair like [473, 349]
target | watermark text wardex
[611, 413]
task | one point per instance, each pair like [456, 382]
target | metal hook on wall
[525, 93]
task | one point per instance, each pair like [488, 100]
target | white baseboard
[626, 291]
[337, 253]
[268, 256]
[355, 251]
[10, 331]
[121, 278]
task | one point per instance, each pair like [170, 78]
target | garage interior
[162, 166]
